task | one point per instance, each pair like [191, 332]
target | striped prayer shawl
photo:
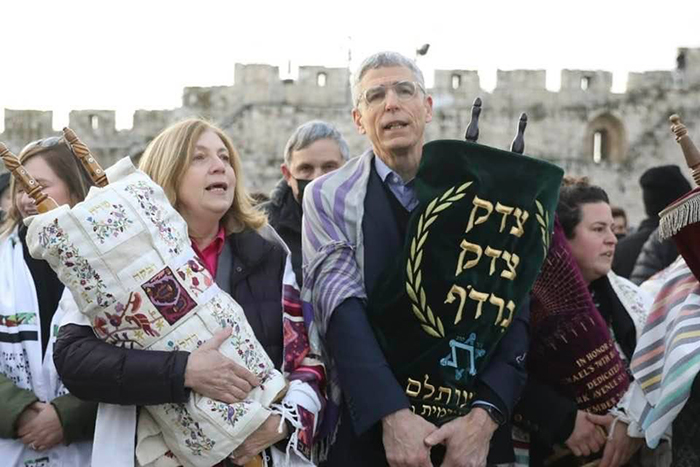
[333, 255]
[667, 358]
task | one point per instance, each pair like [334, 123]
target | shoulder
[352, 171]
[636, 300]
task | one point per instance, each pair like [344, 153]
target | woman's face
[51, 184]
[593, 244]
[207, 188]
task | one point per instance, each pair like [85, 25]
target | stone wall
[260, 110]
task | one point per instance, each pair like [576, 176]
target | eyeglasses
[42, 143]
[404, 90]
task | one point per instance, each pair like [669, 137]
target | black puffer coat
[284, 214]
[628, 249]
[656, 255]
[97, 371]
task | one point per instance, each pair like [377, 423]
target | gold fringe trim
[680, 215]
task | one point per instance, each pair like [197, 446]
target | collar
[384, 171]
[210, 253]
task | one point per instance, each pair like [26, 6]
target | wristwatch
[495, 414]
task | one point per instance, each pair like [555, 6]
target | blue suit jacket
[370, 390]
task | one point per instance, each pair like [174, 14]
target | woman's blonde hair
[59, 157]
[168, 156]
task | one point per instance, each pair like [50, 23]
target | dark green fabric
[77, 418]
[14, 401]
[409, 309]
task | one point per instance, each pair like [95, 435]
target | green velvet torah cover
[473, 249]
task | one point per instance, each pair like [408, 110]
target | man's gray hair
[310, 132]
[383, 60]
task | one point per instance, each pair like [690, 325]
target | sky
[128, 55]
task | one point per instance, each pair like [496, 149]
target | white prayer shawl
[132, 208]
[21, 360]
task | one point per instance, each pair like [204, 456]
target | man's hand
[28, 414]
[620, 447]
[211, 374]
[467, 439]
[44, 431]
[266, 435]
[403, 434]
[587, 437]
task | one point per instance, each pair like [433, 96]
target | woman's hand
[28, 414]
[265, 436]
[211, 374]
[620, 447]
[587, 437]
[44, 431]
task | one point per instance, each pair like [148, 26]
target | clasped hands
[408, 439]
[39, 426]
[589, 436]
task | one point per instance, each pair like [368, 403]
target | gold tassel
[678, 216]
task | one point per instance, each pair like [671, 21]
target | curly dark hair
[573, 193]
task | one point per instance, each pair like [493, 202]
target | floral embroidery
[84, 277]
[195, 439]
[17, 319]
[195, 276]
[246, 348]
[144, 194]
[168, 296]
[230, 413]
[125, 326]
[115, 224]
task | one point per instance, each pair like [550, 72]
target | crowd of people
[327, 270]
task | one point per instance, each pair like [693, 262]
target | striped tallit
[333, 252]
[667, 358]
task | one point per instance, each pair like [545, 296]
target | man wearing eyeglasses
[355, 222]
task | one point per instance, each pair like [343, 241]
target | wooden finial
[472, 133]
[518, 144]
[690, 151]
[44, 203]
[83, 153]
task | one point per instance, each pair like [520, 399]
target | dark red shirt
[210, 254]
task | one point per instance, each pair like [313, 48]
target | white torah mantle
[125, 255]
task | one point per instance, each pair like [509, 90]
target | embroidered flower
[81, 274]
[144, 195]
[115, 224]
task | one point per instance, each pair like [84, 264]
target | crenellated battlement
[584, 126]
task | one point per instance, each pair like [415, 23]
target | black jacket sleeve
[362, 367]
[656, 255]
[548, 415]
[502, 381]
[94, 370]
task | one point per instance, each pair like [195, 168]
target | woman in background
[40, 422]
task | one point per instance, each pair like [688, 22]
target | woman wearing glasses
[40, 422]
[200, 172]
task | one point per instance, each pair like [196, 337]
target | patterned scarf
[667, 358]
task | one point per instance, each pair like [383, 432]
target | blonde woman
[39, 420]
[200, 172]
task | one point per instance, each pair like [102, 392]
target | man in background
[314, 149]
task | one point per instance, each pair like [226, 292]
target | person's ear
[428, 109]
[286, 173]
[357, 119]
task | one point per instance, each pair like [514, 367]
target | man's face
[620, 225]
[393, 125]
[319, 158]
